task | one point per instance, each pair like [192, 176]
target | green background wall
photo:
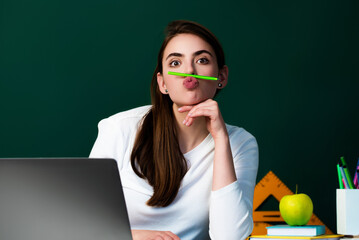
[294, 78]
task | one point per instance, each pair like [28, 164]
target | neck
[192, 136]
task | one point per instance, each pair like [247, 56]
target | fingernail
[180, 109]
[184, 121]
[189, 114]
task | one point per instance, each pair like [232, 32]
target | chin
[191, 102]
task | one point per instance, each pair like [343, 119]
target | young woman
[186, 174]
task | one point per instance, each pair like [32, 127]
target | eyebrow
[202, 51]
[175, 54]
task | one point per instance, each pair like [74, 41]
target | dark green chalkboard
[294, 78]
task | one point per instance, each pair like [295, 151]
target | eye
[174, 63]
[203, 61]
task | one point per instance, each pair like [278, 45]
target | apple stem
[296, 188]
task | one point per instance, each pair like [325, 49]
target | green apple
[296, 209]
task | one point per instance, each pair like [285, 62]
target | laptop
[62, 199]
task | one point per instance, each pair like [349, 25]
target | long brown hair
[156, 155]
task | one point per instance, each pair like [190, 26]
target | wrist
[221, 137]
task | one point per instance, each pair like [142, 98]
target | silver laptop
[62, 199]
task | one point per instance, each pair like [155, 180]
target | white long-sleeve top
[197, 212]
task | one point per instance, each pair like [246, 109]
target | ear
[161, 83]
[223, 76]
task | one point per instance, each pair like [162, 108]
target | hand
[153, 235]
[210, 110]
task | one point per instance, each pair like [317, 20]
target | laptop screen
[47, 198]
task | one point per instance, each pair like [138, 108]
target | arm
[233, 177]
[153, 235]
[223, 168]
[231, 207]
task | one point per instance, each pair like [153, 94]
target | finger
[188, 122]
[185, 108]
[193, 108]
[202, 112]
[212, 105]
[208, 102]
[211, 114]
[174, 236]
[165, 236]
[198, 113]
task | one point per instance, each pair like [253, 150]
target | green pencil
[191, 75]
[347, 175]
[340, 177]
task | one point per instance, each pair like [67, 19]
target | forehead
[187, 44]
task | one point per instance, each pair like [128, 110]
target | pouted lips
[190, 82]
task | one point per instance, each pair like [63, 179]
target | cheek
[170, 81]
[208, 70]
[210, 89]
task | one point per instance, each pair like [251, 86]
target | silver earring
[219, 84]
[166, 90]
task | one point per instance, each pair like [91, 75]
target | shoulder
[117, 132]
[242, 142]
[245, 152]
[126, 118]
[130, 115]
[238, 134]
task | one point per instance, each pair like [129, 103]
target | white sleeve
[231, 207]
[116, 135]
[106, 142]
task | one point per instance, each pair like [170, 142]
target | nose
[190, 68]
